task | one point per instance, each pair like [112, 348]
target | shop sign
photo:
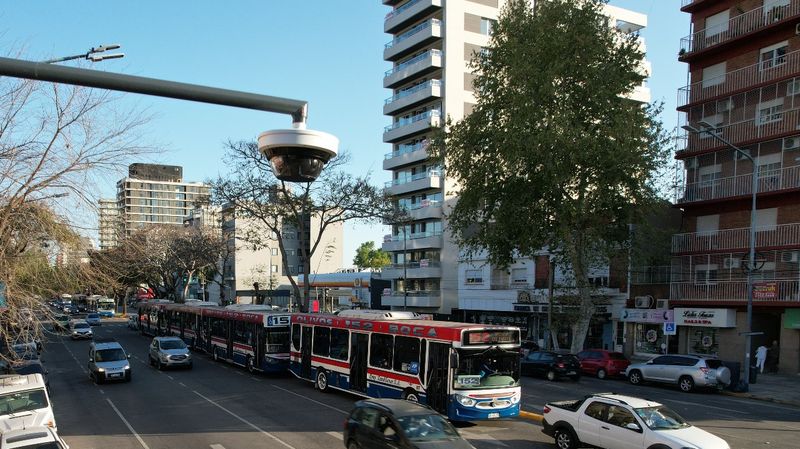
[765, 290]
[647, 315]
[791, 319]
[705, 317]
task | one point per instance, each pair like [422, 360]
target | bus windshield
[277, 341]
[478, 369]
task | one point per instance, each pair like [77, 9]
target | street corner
[531, 416]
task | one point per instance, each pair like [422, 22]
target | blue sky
[325, 52]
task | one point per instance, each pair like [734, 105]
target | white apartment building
[110, 223]
[432, 44]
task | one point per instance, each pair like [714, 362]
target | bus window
[218, 328]
[340, 340]
[406, 355]
[322, 341]
[242, 333]
[277, 340]
[380, 350]
[296, 337]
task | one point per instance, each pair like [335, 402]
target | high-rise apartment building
[433, 42]
[744, 81]
[110, 223]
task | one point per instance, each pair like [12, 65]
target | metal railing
[400, 10]
[785, 290]
[405, 149]
[415, 235]
[430, 53]
[411, 120]
[414, 293]
[740, 185]
[525, 285]
[780, 67]
[755, 128]
[739, 238]
[412, 178]
[686, 2]
[416, 264]
[742, 24]
[419, 87]
[419, 28]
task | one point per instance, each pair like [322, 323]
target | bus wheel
[322, 380]
[411, 395]
[250, 366]
[215, 355]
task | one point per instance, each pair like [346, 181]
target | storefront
[701, 330]
[645, 331]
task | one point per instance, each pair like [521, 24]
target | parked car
[93, 319]
[24, 402]
[611, 421]
[686, 371]
[397, 423]
[108, 361]
[528, 346]
[32, 438]
[602, 363]
[551, 365]
[61, 322]
[80, 330]
[31, 364]
[169, 351]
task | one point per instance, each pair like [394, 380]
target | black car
[397, 423]
[551, 365]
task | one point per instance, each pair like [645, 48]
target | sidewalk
[778, 388]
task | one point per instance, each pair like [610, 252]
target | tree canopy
[367, 256]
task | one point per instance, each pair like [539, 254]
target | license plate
[570, 373]
[494, 415]
[115, 375]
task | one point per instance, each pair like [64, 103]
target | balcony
[747, 23]
[732, 291]
[390, 2]
[405, 154]
[414, 270]
[429, 179]
[421, 240]
[746, 131]
[521, 285]
[787, 65]
[736, 239]
[691, 5]
[425, 209]
[405, 128]
[421, 35]
[415, 298]
[410, 11]
[407, 99]
[419, 65]
[740, 185]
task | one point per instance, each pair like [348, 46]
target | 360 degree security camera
[297, 155]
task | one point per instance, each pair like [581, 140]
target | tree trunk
[580, 327]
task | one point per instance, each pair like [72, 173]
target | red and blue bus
[465, 371]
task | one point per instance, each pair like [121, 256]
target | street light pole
[405, 268]
[91, 55]
[712, 131]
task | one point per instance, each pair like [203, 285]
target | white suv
[24, 402]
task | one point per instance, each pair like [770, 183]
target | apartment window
[519, 276]
[718, 23]
[793, 88]
[707, 224]
[769, 175]
[299, 269]
[709, 174]
[766, 219]
[770, 112]
[714, 74]
[289, 235]
[473, 276]
[487, 26]
[274, 269]
[715, 121]
[292, 269]
[774, 9]
[274, 251]
[765, 273]
[774, 55]
[705, 274]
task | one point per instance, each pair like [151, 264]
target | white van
[24, 403]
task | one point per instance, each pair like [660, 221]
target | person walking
[761, 357]
[773, 357]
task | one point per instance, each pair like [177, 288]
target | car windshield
[109, 355]
[713, 364]
[427, 428]
[22, 401]
[173, 344]
[487, 369]
[81, 325]
[661, 418]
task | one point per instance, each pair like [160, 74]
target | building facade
[743, 60]
[110, 223]
[431, 46]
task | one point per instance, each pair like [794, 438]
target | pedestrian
[761, 357]
[773, 357]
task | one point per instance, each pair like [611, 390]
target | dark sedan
[551, 365]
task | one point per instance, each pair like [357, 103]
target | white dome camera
[297, 155]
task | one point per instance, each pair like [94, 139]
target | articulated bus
[465, 371]
[250, 336]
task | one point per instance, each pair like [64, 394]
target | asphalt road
[218, 406]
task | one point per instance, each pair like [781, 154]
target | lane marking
[182, 384]
[706, 406]
[171, 378]
[337, 435]
[128, 425]
[264, 432]
[217, 446]
[102, 392]
[313, 400]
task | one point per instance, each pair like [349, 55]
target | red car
[602, 363]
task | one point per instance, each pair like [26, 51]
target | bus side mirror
[453, 359]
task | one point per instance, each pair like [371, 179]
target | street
[220, 406]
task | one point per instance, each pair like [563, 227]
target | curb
[759, 398]
[532, 416]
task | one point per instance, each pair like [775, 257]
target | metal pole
[550, 281]
[405, 269]
[150, 86]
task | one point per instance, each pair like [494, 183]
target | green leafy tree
[554, 154]
[367, 256]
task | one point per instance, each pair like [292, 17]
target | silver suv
[169, 351]
[687, 371]
[108, 361]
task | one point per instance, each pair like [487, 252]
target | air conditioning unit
[790, 257]
[644, 302]
[731, 262]
[724, 105]
[791, 143]
[662, 303]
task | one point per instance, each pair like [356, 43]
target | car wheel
[635, 377]
[322, 380]
[191, 364]
[97, 379]
[353, 445]
[601, 373]
[128, 377]
[160, 365]
[411, 396]
[686, 384]
[551, 375]
[565, 439]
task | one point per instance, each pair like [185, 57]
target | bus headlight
[466, 401]
[515, 398]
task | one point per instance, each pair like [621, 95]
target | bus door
[229, 340]
[259, 345]
[359, 343]
[438, 363]
[305, 353]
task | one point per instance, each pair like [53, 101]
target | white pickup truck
[612, 421]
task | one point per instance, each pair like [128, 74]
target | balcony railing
[415, 177]
[739, 238]
[524, 285]
[432, 52]
[413, 90]
[414, 235]
[740, 185]
[405, 149]
[756, 128]
[740, 25]
[399, 10]
[785, 290]
[783, 66]
[405, 122]
[686, 2]
[651, 275]
[412, 293]
[419, 28]
[416, 264]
